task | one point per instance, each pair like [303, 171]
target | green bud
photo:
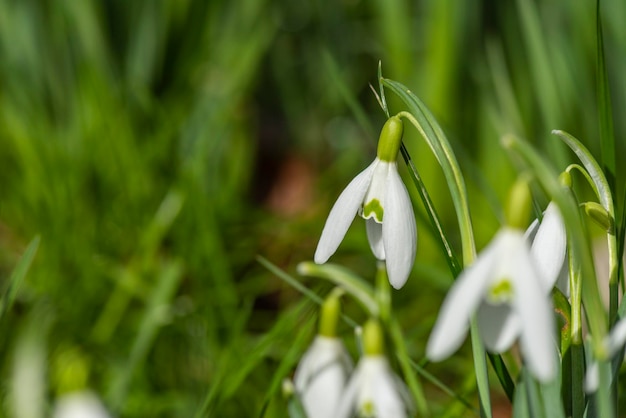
[519, 205]
[373, 339]
[329, 315]
[599, 215]
[390, 139]
[565, 179]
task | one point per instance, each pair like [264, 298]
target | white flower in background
[82, 404]
[613, 343]
[505, 290]
[321, 376]
[374, 391]
[549, 245]
[379, 196]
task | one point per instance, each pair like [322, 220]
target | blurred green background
[157, 147]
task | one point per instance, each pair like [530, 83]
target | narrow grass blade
[603, 191]
[153, 319]
[17, 276]
[605, 113]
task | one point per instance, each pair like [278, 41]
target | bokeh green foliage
[150, 143]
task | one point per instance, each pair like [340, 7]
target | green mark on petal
[373, 208]
[500, 292]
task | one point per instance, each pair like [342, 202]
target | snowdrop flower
[380, 197]
[324, 369]
[81, 404]
[505, 289]
[549, 245]
[612, 344]
[322, 375]
[374, 390]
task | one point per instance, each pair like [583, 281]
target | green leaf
[17, 276]
[607, 138]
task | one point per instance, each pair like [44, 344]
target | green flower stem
[395, 331]
[383, 293]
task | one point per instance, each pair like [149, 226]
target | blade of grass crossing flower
[451, 258]
[607, 138]
[17, 276]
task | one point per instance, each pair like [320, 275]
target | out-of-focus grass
[158, 147]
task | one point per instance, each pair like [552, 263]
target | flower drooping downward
[374, 390]
[380, 197]
[505, 290]
[324, 369]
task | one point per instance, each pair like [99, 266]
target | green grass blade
[17, 276]
[605, 114]
[603, 191]
[153, 320]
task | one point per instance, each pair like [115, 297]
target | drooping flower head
[506, 292]
[324, 369]
[374, 390]
[380, 197]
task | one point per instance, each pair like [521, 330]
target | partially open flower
[613, 343]
[379, 196]
[321, 376]
[504, 288]
[374, 389]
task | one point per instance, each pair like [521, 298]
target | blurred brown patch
[292, 192]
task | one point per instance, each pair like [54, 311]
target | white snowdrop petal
[499, 326]
[342, 214]
[537, 320]
[462, 300]
[592, 377]
[347, 404]
[375, 238]
[375, 387]
[617, 337]
[549, 246]
[399, 230]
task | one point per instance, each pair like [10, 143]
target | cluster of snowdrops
[505, 294]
